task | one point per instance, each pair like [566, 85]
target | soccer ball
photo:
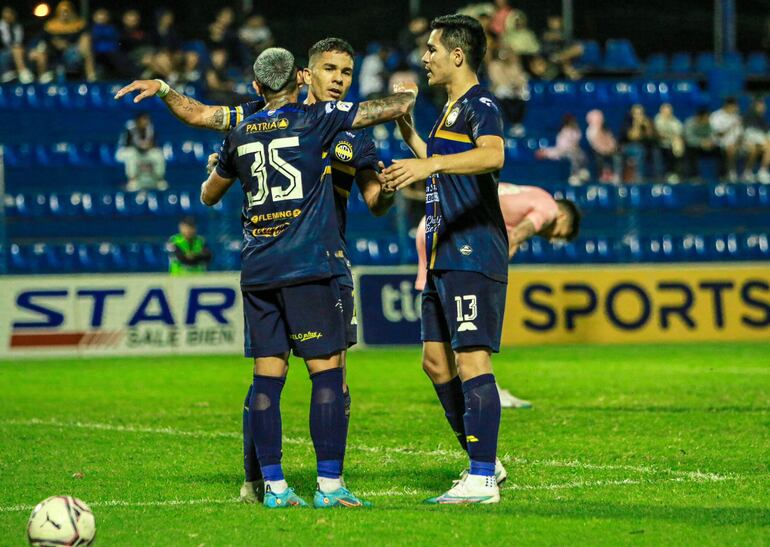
[61, 520]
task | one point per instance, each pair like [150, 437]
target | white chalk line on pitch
[691, 475]
[400, 492]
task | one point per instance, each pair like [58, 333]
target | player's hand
[211, 163]
[402, 173]
[147, 88]
[512, 250]
[384, 188]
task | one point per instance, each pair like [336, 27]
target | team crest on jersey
[452, 118]
[344, 151]
[259, 127]
[466, 250]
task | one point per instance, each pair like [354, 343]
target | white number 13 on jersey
[259, 171]
[470, 300]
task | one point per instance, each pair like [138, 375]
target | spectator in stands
[638, 138]
[255, 37]
[134, 41]
[373, 78]
[222, 33]
[497, 23]
[12, 62]
[509, 82]
[104, 43]
[66, 45]
[558, 50]
[518, 37]
[699, 140]
[728, 130]
[144, 161]
[221, 87]
[169, 61]
[756, 140]
[187, 251]
[568, 147]
[411, 37]
[604, 145]
[670, 142]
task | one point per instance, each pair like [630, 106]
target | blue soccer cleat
[285, 499]
[342, 497]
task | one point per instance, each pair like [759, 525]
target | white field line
[440, 453]
[402, 492]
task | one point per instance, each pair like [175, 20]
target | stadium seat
[705, 62]
[563, 93]
[681, 63]
[18, 155]
[656, 65]
[756, 246]
[619, 55]
[733, 60]
[31, 206]
[592, 55]
[388, 252]
[757, 64]
[624, 94]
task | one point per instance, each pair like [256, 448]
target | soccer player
[291, 233]
[527, 211]
[352, 157]
[464, 296]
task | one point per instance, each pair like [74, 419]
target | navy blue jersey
[350, 152]
[464, 228]
[289, 222]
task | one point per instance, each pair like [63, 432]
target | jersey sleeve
[236, 114]
[226, 163]
[485, 118]
[332, 117]
[366, 158]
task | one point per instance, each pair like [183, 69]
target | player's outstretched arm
[214, 188]
[372, 185]
[386, 109]
[487, 156]
[521, 233]
[185, 108]
[411, 137]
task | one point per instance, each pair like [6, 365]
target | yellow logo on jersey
[471, 439]
[344, 151]
[278, 215]
[260, 127]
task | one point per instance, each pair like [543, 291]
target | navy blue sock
[327, 421]
[453, 400]
[482, 422]
[250, 462]
[265, 421]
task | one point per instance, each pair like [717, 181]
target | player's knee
[435, 369]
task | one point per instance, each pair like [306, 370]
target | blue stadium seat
[757, 64]
[9, 206]
[20, 260]
[65, 205]
[624, 94]
[692, 248]
[592, 55]
[563, 93]
[756, 246]
[620, 55]
[360, 252]
[388, 252]
[733, 60]
[84, 155]
[593, 94]
[656, 65]
[189, 153]
[681, 63]
[538, 93]
[705, 62]
[18, 155]
[32, 205]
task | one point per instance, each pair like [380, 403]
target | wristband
[164, 88]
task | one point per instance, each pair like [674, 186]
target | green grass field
[625, 445]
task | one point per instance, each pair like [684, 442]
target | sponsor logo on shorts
[305, 336]
[466, 250]
[273, 125]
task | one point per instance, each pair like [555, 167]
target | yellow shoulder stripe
[348, 169]
[452, 136]
[341, 191]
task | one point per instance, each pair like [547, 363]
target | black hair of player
[289, 87]
[731, 101]
[464, 32]
[574, 215]
[330, 44]
[188, 221]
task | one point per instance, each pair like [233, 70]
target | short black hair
[330, 44]
[188, 221]
[464, 32]
[574, 215]
[731, 101]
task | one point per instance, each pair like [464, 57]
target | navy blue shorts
[306, 319]
[349, 312]
[464, 308]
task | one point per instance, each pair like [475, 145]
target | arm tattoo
[216, 120]
[383, 110]
[522, 232]
[192, 112]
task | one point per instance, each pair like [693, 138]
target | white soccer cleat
[500, 473]
[508, 400]
[476, 489]
[252, 492]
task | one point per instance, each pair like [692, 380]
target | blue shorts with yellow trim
[464, 308]
[307, 319]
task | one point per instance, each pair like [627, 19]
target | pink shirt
[517, 203]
